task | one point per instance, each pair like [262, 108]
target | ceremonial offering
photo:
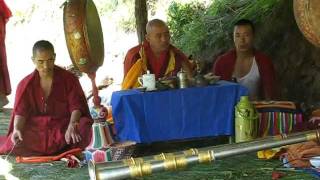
[246, 120]
[99, 155]
[167, 83]
[99, 148]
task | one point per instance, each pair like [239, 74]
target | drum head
[83, 34]
[307, 15]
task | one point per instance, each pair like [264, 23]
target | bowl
[211, 79]
[169, 82]
[315, 161]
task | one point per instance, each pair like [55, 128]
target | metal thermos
[183, 79]
[246, 120]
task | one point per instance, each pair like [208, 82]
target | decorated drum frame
[307, 15]
[83, 34]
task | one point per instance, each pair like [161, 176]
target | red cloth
[5, 86]
[224, 67]
[156, 66]
[45, 126]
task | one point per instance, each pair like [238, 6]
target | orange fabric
[44, 159]
[133, 55]
[274, 104]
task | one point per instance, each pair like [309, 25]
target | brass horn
[138, 167]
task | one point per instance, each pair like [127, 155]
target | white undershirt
[251, 81]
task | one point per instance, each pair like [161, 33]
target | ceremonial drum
[307, 15]
[83, 34]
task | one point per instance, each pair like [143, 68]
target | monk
[155, 54]
[5, 87]
[50, 113]
[246, 65]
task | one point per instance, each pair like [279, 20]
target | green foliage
[106, 7]
[180, 15]
[123, 10]
[197, 30]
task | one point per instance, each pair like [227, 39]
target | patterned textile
[277, 117]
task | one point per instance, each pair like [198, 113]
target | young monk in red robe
[155, 54]
[250, 67]
[5, 87]
[50, 113]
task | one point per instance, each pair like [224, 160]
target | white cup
[148, 81]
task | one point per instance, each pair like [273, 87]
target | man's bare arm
[18, 126]
[75, 117]
[72, 134]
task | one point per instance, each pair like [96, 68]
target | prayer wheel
[307, 15]
[83, 34]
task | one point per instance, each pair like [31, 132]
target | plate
[141, 88]
[149, 90]
[315, 161]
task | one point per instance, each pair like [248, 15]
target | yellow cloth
[140, 67]
[268, 154]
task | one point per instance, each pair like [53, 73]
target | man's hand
[16, 137]
[72, 135]
[18, 126]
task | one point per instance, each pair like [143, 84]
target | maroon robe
[5, 87]
[156, 66]
[47, 120]
[224, 67]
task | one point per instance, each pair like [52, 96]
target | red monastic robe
[47, 120]
[156, 66]
[5, 87]
[224, 67]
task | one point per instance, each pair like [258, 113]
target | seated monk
[50, 113]
[155, 54]
[246, 65]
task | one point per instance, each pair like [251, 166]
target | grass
[239, 167]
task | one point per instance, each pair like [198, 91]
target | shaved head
[155, 23]
[158, 35]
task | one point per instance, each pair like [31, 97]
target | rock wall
[296, 60]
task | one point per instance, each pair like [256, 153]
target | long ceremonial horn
[137, 167]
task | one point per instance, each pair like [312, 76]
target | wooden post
[141, 15]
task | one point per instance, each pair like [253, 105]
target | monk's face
[159, 38]
[243, 38]
[44, 61]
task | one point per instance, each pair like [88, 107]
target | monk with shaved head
[155, 54]
[50, 113]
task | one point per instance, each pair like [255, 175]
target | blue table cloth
[146, 117]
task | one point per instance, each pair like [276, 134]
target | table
[146, 117]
